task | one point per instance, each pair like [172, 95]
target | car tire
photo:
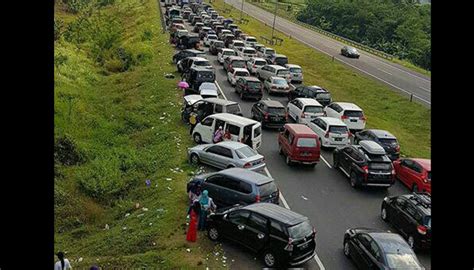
[194, 159]
[197, 138]
[288, 160]
[353, 180]
[270, 259]
[346, 249]
[213, 233]
[383, 214]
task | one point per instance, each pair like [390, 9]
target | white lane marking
[314, 47]
[219, 87]
[316, 257]
[427, 90]
[384, 71]
[344, 171]
[325, 161]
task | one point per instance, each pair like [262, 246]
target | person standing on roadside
[191, 235]
[207, 205]
[63, 263]
[192, 122]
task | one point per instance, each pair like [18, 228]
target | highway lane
[323, 194]
[396, 76]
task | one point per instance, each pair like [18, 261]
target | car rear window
[402, 261]
[350, 113]
[278, 111]
[283, 72]
[241, 73]
[211, 37]
[238, 63]
[338, 129]
[295, 70]
[260, 63]
[392, 142]
[323, 96]
[229, 53]
[270, 52]
[306, 142]
[233, 108]
[202, 63]
[380, 165]
[313, 109]
[267, 189]
[251, 40]
[281, 60]
[218, 44]
[254, 85]
[249, 51]
[427, 221]
[239, 44]
[246, 152]
[279, 81]
[300, 230]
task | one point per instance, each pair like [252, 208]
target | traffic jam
[249, 113]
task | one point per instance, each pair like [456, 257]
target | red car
[299, 143]
[415, 173]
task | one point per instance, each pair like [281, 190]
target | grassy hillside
[385, 109]
[117, 124]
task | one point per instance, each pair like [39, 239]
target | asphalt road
[322, 194]
[396, 76]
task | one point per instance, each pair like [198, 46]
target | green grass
[410, 122]
[116, 127]
[299, 5]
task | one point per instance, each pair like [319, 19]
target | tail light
[366, 171]
[327, 135]
[302, 115]
[344, 117]
[247, 165]
[266, 116]
[421, 229]
[397, 148]
[289, 246]
[257, 198]
[363, 118]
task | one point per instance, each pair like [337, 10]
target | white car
[274, 84]
[296, 72]
[238, 73]
[225, 53]
[303, 110]
[332, 132]
[266, 52]
[250, 41]
[235, 44]
[254, 63]
[247, 53]
[181, 33]
[351, 114]
[267, 71]
[207, 39]
[208, 90]
[223, 32]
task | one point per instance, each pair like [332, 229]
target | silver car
[276, 85]
[227, 154]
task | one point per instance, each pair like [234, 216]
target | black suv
[280, 236]
[249, 87]
[365, 164]
[270, 112]
[187, 53]
[196, 76]
[237, 186]
[383, 138]
[411, 216]
[315, 92]
[377, 249]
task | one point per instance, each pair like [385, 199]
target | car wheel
[414, 188]
[197, 138]
[269, 259]
[213, 234]
[353, 179]
[347, 250]
[194, 159]
[411, 242]
[288, 161]
[383, 214]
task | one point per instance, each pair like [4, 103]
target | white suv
[331, 131]
[225, 53]
[267, 71]
[250, 41]
[247, 53]
[351, 114]
[237, 73]
[303, 110]
[254, 63]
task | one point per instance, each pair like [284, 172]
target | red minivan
[298, 143]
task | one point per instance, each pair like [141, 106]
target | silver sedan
[227, 154]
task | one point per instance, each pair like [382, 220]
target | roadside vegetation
[117, 125]
[410, 122]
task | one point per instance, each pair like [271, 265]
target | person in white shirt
[63, 263]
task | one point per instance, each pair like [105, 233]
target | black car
[237, 186]
[365, 164]
[376, 249]
[320, 94]
[270, 112]
[280, 236]
[411, 216]
[228, 38]
[187, 53]
[196, 76]
[350, 52]
[188, 42]
[249, 87]
[215, 46]
[383, 138]
[197, 28]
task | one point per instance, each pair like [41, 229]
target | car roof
[227, 50]
[332, 121]
[348, 106]
[301, 129]
[220, 101]
[248, 48]
[425, 163]
[234, 118]
[259, 58]
[250, 37]
[390, 242]
[277, 67]
[272, 103]
[309, 101]
[237, 41]
[208, 85]
[251, 79]
[241, 69]
[232, 144]
[372, 147]
[234, 57]
[276, 77]
[379, 133]
[211, 35]
[191, 99]
[247, 175]
[195, 51]
[197, 58]
[279, 55]
[422, 201]
[293, 66]
[276, 212]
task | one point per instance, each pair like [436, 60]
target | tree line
[398, 27]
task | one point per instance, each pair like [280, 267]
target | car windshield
[267, 189]
[254, 85]
[283, 72]
[260, 63]
[402, 261]
[391, 142]
[274, 110]
[306, 142]
[323, 96]
[251, 40]
[238, 64]
[211, 37]
[233, 108]
[386, 166]
[300, 230]
[270, 51]
[295, 70]
[193, 39]
[246, 152]
[338, 129]
[241, 73]
[281, 60]
[249, 51]
[280, 81]
[238, 44]
[202, 63]
[218, 44]
[350, 113]
[352, 50]
[313, 109]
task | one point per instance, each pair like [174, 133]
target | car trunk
[276, 115]
[379, 172]
[269, 193]
[354, 119]
[313, 111]
[303, 240]
[338, 134]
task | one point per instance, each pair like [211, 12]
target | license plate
[304, 246]
[305, 154]
[338, 139]
[353, 120]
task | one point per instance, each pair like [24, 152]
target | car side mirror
[225, 216]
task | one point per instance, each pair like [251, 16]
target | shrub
[66, 152]
[147, 35]
[126, 58]
[60, 59]
[103, 3]
[75, 6]
[113, 65]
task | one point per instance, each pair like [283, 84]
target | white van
[239, 127]
[351, 114]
